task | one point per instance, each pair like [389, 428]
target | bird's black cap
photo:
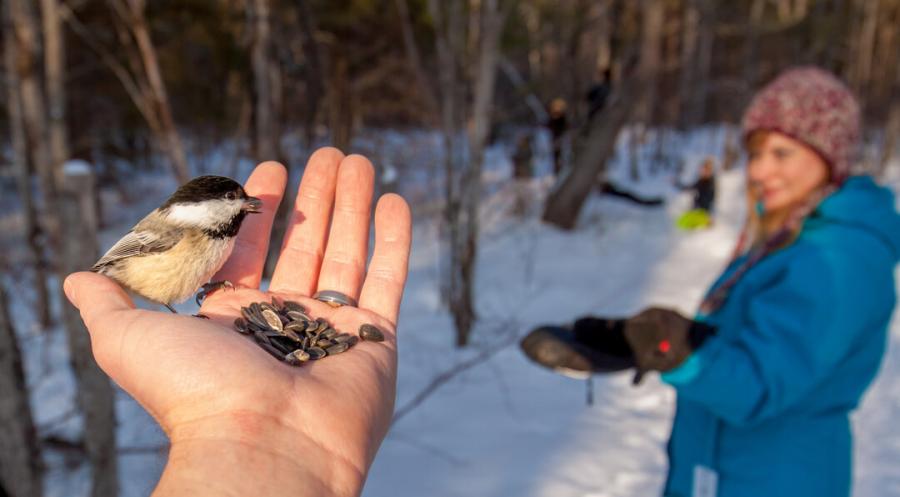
[204, 188]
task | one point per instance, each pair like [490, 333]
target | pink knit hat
[812, 106]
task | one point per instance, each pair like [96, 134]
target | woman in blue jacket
[791, 334]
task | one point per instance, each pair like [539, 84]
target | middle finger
[345, 256]
[297, 270]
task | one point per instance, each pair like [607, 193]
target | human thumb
[95, 295]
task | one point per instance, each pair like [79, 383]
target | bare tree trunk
[892, 128]
[34, 114]
[751, 43]
[54, 74]
[565, 200]
[170, 137]
[689, 37]
[258, 14]
[340, 103]
[653, 12]
[531, 20]
[866, 47]
[20, 458]
[30, 227]
[491, 20]
[891, 137]
[697, 107]
[414, 58]
[96, 397]
[886, 52]
[448, 30]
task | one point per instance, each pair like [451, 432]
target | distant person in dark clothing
[701, 216]
[558, 126]
[522, 158]
[705, 187]
[598, 94]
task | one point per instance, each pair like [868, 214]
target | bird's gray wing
[145, 238]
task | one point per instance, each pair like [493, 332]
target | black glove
[590, 345]
[653, 340]
[661, 339]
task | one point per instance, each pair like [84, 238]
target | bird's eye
[230, 196]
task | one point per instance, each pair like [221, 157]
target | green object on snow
[694, 219]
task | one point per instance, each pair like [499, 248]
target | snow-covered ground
[484, 421]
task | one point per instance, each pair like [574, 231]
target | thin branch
[454, 371]
[131, 85]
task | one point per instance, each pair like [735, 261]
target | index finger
[245, 266]
[382, 290]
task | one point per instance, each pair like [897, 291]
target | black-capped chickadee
[174, 251]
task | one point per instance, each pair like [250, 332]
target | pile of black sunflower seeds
[288, 333]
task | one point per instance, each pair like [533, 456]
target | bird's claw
[210, 287]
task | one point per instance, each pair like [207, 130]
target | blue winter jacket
[763, 406]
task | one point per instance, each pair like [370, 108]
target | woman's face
[784, 172]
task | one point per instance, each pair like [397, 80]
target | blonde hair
[758, 225]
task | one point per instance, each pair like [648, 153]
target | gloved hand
[661, 339]
[653, 340]
[590, 345]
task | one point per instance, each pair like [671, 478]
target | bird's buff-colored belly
[176, 274]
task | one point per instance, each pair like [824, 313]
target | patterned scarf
[718, 295]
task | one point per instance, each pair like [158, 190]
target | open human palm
[205, 383]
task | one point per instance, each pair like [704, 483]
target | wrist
[255, 455]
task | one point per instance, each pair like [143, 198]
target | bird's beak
[252, 205]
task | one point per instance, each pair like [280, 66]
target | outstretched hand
[239, 421]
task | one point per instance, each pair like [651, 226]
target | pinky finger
[383, 286]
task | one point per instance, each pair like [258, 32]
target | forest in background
[135, 86]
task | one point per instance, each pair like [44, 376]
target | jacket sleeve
[797, 330]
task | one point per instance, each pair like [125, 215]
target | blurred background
[543, 146]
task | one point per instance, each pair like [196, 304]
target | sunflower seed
[297, 357]
[345, 338]
[290, 305]
[277, 303]
[316, 353]
[288, 333]
[298, 316]
[328, 333]
[324, 342]
[323, 325]
[240, 324]
[284, 345]
[371, 333]
[245, 312]
[272, 319]
[261, 337]
[295, 327]
[337, 348]
[271, 349]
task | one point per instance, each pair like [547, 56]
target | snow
[76, 167]
[501, 426]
